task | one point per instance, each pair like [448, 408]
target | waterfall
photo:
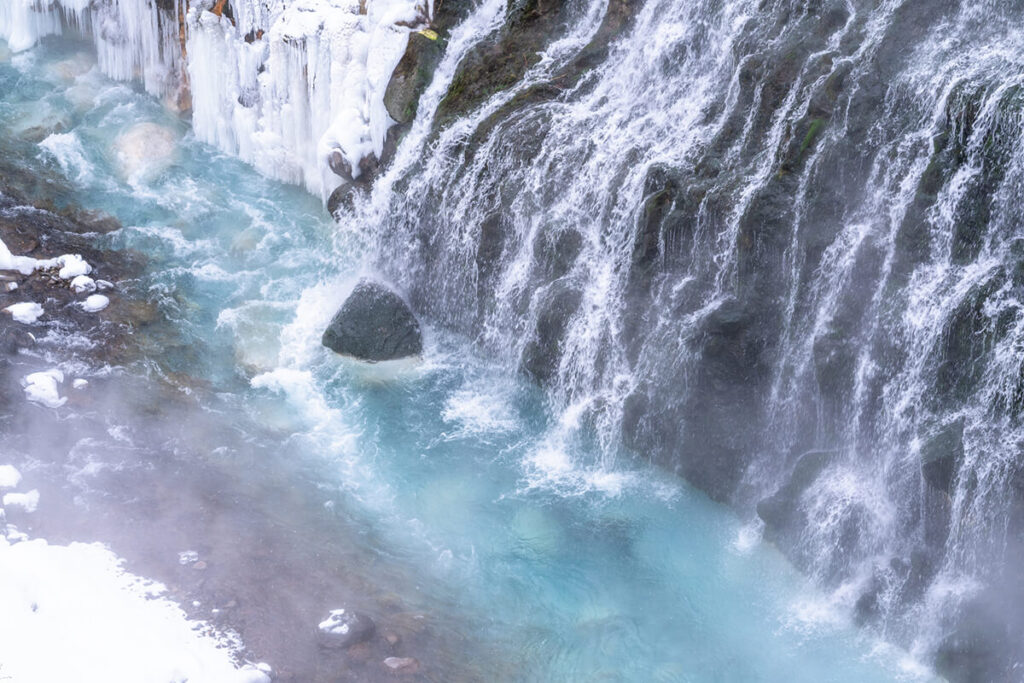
[771, 245]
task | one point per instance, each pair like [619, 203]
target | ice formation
[283, 84]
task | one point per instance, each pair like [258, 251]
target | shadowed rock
[374, 324]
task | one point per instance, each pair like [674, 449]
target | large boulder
[374, 324]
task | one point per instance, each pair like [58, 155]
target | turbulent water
[774, 246]
[455, 474]
[770, 246]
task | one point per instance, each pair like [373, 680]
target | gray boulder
[374, 324]
[343, 628]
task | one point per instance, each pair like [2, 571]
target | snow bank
[71, 613]
[83, 284]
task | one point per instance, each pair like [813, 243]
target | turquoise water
[567, 571]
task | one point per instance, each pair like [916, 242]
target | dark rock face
[374, 324]
[344, 196]
[540, 358]
[781, 512]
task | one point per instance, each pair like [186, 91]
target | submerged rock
[145, 150]
[344, 628]
[402, 665]
[374, 324]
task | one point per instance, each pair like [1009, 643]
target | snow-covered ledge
[283, 84]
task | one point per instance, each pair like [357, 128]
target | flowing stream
[454, 482]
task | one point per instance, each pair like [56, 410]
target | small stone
[200, 565]
[360, 652]
[392, 638]
[344, 628]
[402, 665]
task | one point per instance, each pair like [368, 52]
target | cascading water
[774, 246]
[771, 246]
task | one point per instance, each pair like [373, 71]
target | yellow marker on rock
[428, 33]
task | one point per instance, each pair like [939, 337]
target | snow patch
[9, 477]
[42, 388]
[95, 303]
[26, 501]
[26, 312]
[83, 284]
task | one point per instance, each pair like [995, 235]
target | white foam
[80, 383]
[26, 501]
[479, 411]
[95, 303]
[10, 477]
[26, 312]
[747, 537]
[67, 149]
[42, 388]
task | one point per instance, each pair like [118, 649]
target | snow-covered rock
[26, 312]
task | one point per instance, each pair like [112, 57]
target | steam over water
[771, 246]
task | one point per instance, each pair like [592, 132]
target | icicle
[284, 84]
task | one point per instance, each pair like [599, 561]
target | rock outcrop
[374, 324]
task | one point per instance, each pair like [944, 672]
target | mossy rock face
[499, 63]
[412, 75]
